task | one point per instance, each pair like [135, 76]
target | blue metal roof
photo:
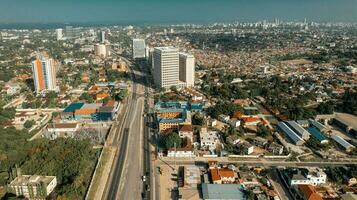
[176, 120]
[297, 128]
[317, 134]
[73, 106]
[318, 125]
[290, 133]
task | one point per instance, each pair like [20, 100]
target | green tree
[29, 123]
[168, 141]
[198, 119]
[87, 97]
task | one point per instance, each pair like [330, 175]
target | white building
[187, 69]
[102, 50]
[12, 88]
[139, 49]
[209, 139]
[312, 177]
[33, 187]
[102, 37]
[59, 34]
[44, 75]
[56, 130]
[181, 153]
[166, 67]
[317, 177]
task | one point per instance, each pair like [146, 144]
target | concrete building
[102, 36]
[166, 67]
[59, 34]
[223, 191]
[102, 50]
[44, 75]
[139, 49]
[33, 187]
[187, 69]
[56, 130]
[308, 177]
[209, 139]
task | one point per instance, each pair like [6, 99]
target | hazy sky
[126, 11]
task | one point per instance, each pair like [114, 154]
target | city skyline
[184, 11]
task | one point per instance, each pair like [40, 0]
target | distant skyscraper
[102, 36]
[44, 75]
[59, 34]
[69, 32]
[139, 48]
[187, 69]
[166, 66]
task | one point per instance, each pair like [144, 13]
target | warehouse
[343, 143]
[296, 139]
[299, 130]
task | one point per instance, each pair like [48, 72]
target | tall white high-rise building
[166, 66]
[59, 34]
[139, 49]
[102, 36]
[187, 69]
[44, 75]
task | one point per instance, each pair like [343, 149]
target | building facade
[59, 34]
[44, 75]
[33, 187]
[166, 66]
[187, 69]
[139, 49]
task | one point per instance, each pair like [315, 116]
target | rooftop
[62, 125]
[223, 191]
[31, 179]
[347, 119]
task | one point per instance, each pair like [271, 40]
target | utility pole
[175, 158]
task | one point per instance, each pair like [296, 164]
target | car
[143, 178]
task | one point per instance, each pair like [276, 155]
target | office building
[139, 49]
[102, 36]
[59, 34]
[44, 75]
[102, 50]
[187, 69]
[33, 187]
[71, 32]
[166, 66]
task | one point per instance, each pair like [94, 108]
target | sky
[174, 11]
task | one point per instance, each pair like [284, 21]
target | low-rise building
[296, 139]
[275, 148]
[186, 131]
[209, 139]
[343, 143]
[222, 176]
[223, 118]
[33, 186]
[223, 192]
[56, 130]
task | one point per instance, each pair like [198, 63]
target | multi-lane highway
[132, 161]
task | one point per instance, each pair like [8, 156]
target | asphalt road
[125, 178]
[258, 163]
